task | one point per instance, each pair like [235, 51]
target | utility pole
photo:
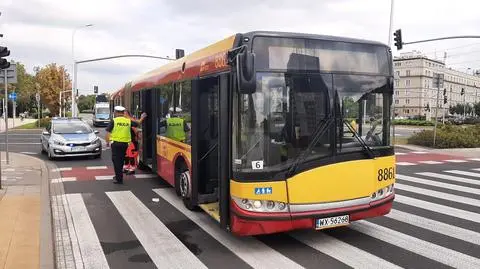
[390, 29]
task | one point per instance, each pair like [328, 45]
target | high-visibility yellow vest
[121, 130]
[175, 129]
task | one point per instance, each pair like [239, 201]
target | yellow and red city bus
[287, 130]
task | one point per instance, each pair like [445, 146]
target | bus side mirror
[246, 72]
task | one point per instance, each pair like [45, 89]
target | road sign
[11, 74]
[12, 96]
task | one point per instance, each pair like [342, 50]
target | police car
[69, 137]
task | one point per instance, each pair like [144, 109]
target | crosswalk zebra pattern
[435, 223]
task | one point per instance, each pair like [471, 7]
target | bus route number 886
[386, 174]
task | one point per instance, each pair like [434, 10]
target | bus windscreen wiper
[368, 150]
[317, 135]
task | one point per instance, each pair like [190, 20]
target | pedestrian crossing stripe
[168, 250]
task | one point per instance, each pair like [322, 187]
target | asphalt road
[434, 223]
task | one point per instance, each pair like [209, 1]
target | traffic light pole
[75, 68]
[5, 112]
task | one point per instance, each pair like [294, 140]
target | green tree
[476, 108]
[48, 81]
[86, 102]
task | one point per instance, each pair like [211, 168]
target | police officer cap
[119, 108]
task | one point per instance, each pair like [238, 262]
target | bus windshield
[343, 112]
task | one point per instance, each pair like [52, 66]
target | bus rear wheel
[183, 186]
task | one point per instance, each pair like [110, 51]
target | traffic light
[462, 92]
[444, 91]
[4, 52]
[445, 99]
[398, 39]
[427, 107]
[95, 89]
[179, 53]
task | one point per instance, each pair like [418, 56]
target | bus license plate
[332, 222]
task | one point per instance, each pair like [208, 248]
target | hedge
[414, 122]
[449, 136]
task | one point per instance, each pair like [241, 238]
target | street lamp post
[74, 84]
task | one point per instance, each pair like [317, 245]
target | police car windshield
[71, 128]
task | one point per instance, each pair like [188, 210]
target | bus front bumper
[246, 223]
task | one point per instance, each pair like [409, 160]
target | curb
[46, 236]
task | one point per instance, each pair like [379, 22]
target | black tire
[182, 176]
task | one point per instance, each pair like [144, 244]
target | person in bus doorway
[130, 164]
[119, 132]
[176, 127]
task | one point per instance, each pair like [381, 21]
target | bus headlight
[382, 193]
[260, 205]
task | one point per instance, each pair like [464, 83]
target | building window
[397, 92]
[407, 101]
[408, 73]
[398, 73]
[407, 82]
[397, 83]
[396, 102]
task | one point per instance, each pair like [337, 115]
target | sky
[39, 32]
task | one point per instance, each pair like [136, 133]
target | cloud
[39, 32]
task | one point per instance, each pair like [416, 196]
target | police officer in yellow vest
[176, 126]
[119, 132]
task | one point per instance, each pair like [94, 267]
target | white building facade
[414, 90]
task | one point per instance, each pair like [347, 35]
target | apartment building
[414, 90]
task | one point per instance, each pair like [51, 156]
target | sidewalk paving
[461, 152]
[25, 215]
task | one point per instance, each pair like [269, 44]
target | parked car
[69, 137]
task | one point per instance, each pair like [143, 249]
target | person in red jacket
[131, 155]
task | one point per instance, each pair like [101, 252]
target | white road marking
[439, 184]
[9, 170]
[163, 247]
[474, 159]
[463, 173]
[440, 195]
[21, 143]
[92, 252]
[96, 167]
[340, 250]
[456, 161]
[421, 247]
[430, 162]
[420, 152]
[436, 226]
[249, 249]
[109, 177]
[405, 163]
[62, 169]
[63, 179]
[145, 176]
[454, 212]
[29, 153]
[449, 177]
[400, 153]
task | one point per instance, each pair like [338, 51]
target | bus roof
[213, 59]
[204, 61]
